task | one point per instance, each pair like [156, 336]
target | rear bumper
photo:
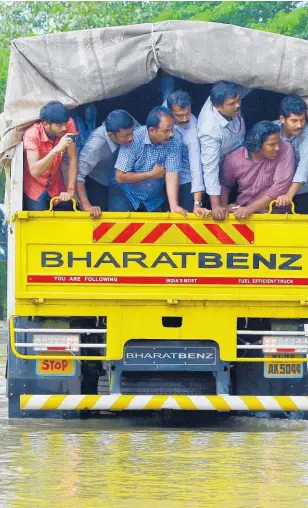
[118, 402]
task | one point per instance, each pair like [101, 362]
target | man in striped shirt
[191, 178]
[262, 169]
[221, 129]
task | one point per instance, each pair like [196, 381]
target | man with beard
[140, 169]
[294, 130]
[44, 144]
[221, 129]
[262, 169]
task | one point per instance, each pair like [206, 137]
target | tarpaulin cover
[91, 65]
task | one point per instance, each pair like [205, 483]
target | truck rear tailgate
[160, 256]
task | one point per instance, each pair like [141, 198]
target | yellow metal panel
[57, 256]
[282, 235]
[260, 271]
[170, 233]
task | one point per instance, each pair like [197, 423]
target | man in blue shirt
[139, 170]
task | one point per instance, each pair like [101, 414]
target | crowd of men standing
[175, 162]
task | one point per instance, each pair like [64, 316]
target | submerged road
[140, 462]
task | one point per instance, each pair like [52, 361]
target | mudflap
[23, 378]
[248, 379]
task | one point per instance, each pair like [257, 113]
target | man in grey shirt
[294, 130]
[221, 129]
[97, 159]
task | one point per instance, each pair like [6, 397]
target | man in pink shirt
[262, 169]
[44, 145]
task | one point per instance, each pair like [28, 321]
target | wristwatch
[197, 203]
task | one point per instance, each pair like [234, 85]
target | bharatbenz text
[239, 260]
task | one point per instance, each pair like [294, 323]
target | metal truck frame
[151, 311]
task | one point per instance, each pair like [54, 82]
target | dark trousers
[97, 193]
[119, 202]
[186, 198]
[43, 204]
[301, 203]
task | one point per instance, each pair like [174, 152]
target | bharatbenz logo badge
[164, 355]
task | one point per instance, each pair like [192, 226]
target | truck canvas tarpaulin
[91, 65]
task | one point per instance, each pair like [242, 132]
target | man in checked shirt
[262, 169]
[155, 146]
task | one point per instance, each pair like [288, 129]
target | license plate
[283, 370]
[45, 367]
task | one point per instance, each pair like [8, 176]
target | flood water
[140, 462]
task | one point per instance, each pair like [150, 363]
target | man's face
[293, 125]
[181, 115]
[162, 134]
[123, 137]
[54, 130]
[231, 107]
[270, 147]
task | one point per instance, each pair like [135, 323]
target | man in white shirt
[221, 129]
[294, 130]
[191, 179]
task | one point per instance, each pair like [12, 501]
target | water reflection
[135, 462]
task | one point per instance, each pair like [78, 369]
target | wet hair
[258, 134]
[292, 104]
[178, 98]
[118, 119]
[54, 112]
[223, 90]
[155, 116]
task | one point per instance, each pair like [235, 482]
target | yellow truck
[150, 311]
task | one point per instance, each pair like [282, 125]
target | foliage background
[23, 19]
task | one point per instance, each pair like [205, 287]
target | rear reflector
[292, 343]
[56, 342]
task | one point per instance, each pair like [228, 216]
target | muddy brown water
[141, 462]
